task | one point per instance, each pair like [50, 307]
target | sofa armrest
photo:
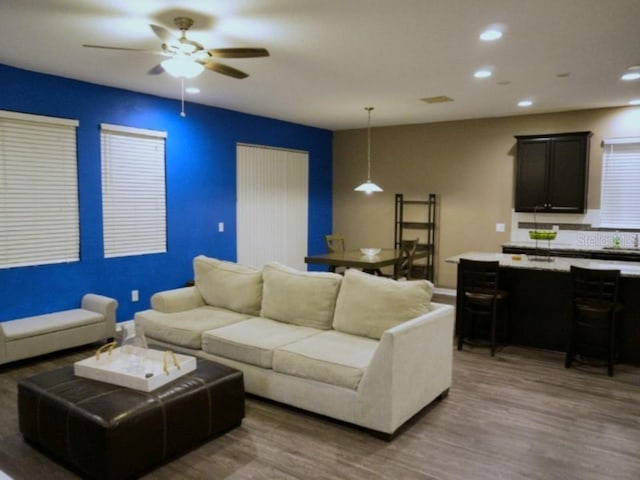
[411, 366]
[3, 345]
[177, 300]
[106, 306]
[100, 304]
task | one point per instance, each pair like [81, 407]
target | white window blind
[620, 195]
[39, 221]
[133, 191]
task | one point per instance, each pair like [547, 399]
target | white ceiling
[331, 58]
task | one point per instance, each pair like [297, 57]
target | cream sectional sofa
[362, 349]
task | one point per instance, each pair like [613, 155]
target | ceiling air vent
[438, 99]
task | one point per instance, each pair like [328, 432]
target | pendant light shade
[368, 187]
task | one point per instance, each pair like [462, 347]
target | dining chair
[403, 268]
[335, 243]
[594, 310]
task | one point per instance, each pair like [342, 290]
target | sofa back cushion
[368, 305]
[228, 285]
[307, 299]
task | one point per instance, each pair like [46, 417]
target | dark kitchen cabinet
[552, 172]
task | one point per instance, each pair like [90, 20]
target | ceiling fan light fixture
[182, 67]
[368, 187]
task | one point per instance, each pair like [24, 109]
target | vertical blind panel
[620, 195]
[39, 220]
[133, 194]
[272, 206]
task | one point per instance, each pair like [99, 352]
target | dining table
[356, 259]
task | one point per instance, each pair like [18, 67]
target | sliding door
[272, 207]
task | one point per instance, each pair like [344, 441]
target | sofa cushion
[48, 323]
[329, 357]
[307, 299]
[228, 285]
[253, 341]
[185, 328]
[368, 305]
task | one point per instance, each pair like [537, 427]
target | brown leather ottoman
[111, 432]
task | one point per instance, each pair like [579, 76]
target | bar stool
[481, 300]
[594, 317]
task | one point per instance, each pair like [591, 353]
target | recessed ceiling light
[635, 101]
[633, 73]
[482, 73]
[630, 76]
[192, 90]
[490, 35]
[525, 103]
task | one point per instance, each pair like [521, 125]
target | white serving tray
[112, 366]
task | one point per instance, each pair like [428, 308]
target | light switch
[134, 295]
[499, 227]
[221, 226]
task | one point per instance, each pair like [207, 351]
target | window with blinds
[620, 194]
[39, 221]
[133, 191]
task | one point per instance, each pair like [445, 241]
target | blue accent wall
[200, 182]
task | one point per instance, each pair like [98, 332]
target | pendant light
[368, 187]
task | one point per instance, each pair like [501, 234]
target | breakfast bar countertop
[544, 245]
[559, 264]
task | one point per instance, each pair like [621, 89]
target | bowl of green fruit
[542, 234]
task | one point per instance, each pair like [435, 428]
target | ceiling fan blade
[162, 33]
[157, 70]
[117, 48]
[238, 52]
[225, 70]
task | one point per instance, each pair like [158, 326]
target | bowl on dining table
[370, 252]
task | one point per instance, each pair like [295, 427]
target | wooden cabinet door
[567, 175]
[531, 181]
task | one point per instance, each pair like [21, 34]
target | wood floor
[519, 415]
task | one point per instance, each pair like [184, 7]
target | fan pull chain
[182, 114]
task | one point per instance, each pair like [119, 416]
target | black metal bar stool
[593, 319]
[481, 300]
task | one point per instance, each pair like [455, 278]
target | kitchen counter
[540, 299]
[557, 264]
[559, 249]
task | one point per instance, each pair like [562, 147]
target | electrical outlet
[135, 296]
[556, 228]
[499, 227]
[221, 226]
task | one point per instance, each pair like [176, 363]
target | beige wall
[469, 164]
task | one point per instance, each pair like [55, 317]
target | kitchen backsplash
[575, 230]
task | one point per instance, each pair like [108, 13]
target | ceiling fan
[187, 58]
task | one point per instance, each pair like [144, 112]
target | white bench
[31, 336]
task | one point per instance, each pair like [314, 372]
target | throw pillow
[228, 285]
[307, 299]
[368, 305]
